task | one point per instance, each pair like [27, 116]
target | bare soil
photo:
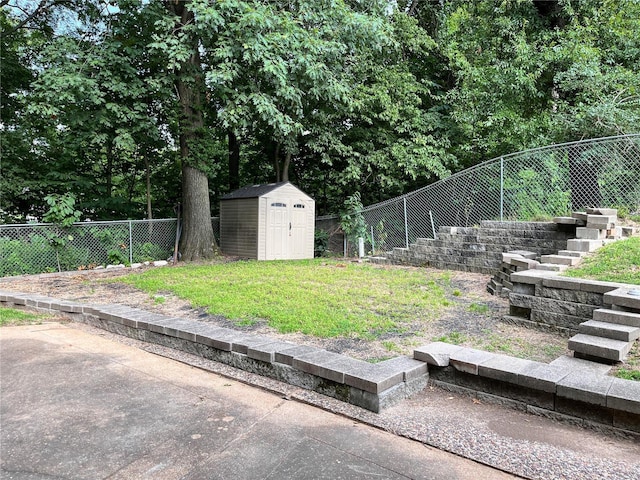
[473, 318]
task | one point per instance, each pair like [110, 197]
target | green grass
[13, 317]
[320, 297]
[616, 262]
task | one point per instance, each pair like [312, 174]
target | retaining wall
[566, 389]
[479, 249]
[570, 393]
[546, 300]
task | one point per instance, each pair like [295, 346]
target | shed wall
[239, 227]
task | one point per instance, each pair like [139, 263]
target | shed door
[277, 229]
[298, 237]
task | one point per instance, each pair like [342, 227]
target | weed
[628, 374]
[479, 308]
[159, 299]
[456, 293]
[391, 346]
[455, 338]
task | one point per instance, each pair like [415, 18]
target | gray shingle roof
[253, 191]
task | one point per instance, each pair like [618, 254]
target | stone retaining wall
[479, 249]
[548, 301]
[563, 389]
[370, 386]
[538, 388]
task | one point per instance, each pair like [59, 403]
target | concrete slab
[617, 316]
[624, 297]
[584, 386]
[437, 353]
[286, 356]
[411, 369]
[541, 376]
[468, 359]
[504, 368]
[78, 406]
[572, 363]
[624, 395]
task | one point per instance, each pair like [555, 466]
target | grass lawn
[320, 297]
[13, 317]
[616, 262]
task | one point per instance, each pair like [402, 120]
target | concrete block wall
[479, 249]
[548, 301]
[564, 389]
[370, 386]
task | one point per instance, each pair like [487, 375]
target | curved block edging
[579, 392]
[367, 385]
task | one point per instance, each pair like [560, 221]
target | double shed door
[286, 228]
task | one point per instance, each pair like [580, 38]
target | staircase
[610, 335]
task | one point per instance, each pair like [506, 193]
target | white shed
[268, 222]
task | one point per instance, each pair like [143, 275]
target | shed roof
[254, 191]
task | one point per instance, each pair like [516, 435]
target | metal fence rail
[41, 247]
[529, 185]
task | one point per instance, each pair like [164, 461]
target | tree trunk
[197, 240]
[276, 161]
[285, 168]
[234, 161]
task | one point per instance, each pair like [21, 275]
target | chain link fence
[531, 185]
[39, 247]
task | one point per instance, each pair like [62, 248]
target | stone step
[618, 317]
[628, 297]
[590, 233]
[552, 267]
[599, 347]
[572, 363]
[615, 331]
[580, 245]
[602, 211]
[560, 259]
[571, 253]
[565, 220]
[524, 253]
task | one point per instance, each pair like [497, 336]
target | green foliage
[455, 338]
[62, 210]
[628, 374]
[352, 219]
[321, 243]
[352, 96]
[148, 252]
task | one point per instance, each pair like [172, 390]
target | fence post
[406, 223]
[373, 243]
[433, 227]
[130, 243]
[501, 188]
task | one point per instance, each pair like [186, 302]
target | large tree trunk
[234, 161]
[197, 240]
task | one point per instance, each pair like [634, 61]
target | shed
[275, 221]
